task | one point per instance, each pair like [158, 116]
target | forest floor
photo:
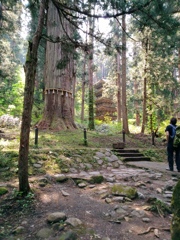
[91, 210]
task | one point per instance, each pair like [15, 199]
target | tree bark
[179, 63]
[136, 105]
[118, 88]
[83, 88]
[30, 73]
[90, 70]
[144, 117]
[59, 74]
[124, 107]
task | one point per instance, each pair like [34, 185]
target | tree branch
[107, 14]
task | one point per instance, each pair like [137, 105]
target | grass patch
[57, 151]
[156, 156]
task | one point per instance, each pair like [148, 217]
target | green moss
[61, 179]
[175, 203]
[68, 235]
[129, 192]
[30, 170]
[175, 228]
[97, 179]
[64, 170]
[78, 181]
[3, 191]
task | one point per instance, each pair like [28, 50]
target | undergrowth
[58, 150]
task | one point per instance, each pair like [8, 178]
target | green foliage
[115, 127]
[175, 199]
[160, 207]
[175, 203]
[59, 151]
[3, 190]
[11, 59]
[163, 126]
[24, 202]
[107, 119]
[97, 179]
[132, 121]
[11, 86]
[176, 142]
[37, 112]
[7, 159]
[153, 154]
[152, 123]
[98, 122]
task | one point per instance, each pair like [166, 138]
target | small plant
[3, 190]
[152, 154]
[160, 207]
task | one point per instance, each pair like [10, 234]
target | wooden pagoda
[105, 107]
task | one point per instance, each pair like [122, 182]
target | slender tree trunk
[1, 14]
[30, 73]
[151, 118]
[118, 88]
[83, 88]
[144, 117]
[90, 70]
[124, 107]
[179, 63]
[136, 105]
[74, 90]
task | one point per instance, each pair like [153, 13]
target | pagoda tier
[105, 107]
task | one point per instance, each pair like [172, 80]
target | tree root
[152, 228]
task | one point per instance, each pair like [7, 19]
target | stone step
[129, 154]
[135, 159]
[126, 150]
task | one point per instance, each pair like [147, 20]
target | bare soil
[87, 205]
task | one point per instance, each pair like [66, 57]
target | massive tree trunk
[59, 74]
[124, 107]
[30, 73]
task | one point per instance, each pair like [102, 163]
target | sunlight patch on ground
[134, 129]
[137, 228]
[48, 198]
[4, 143]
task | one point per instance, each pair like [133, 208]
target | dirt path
[103, 216]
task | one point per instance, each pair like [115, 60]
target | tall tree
[11, 58]
[30, 72]
[90, 70]
[83, 88]
[59, 72]
[124, 102]
[144, 118]
[119, 91]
